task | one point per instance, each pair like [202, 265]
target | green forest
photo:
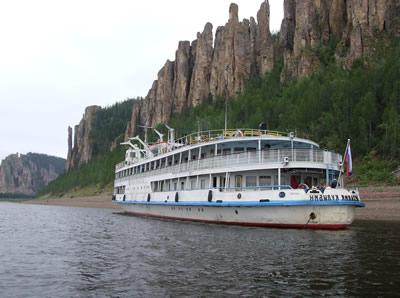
[107, 132]
[330, 106]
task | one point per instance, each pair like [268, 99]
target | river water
[52, 251]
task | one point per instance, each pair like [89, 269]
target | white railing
[329, 159]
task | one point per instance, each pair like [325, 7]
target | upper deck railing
[284, 157]
[221, 134]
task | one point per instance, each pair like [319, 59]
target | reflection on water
[48, 251]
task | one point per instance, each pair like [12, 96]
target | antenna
[226, 112]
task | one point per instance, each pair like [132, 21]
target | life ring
[210, 195]
[239, 133]
[303, 186]
[239, 195]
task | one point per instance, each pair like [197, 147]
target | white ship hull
[314, 216]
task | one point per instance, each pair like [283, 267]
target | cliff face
[26, 174]
[356, 24]
[210, 67]
[81, 152]
[218, 65]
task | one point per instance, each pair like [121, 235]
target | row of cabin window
[164, 162]
[119, 189]
[250, 181]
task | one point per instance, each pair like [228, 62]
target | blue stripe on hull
[251, 203]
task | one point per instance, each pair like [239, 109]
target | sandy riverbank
[383, 203]
[99, 201]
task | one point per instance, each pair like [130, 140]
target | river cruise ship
[241, 176]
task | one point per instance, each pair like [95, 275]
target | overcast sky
[59, 56]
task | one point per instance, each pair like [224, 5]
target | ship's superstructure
[240, 176]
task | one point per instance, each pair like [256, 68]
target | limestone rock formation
[209, 67]
[135, 120]
[199, 87]
[355, 23]
[81, 152]
[246, 48]
[182, 75]
[265, 46]
[22, 174]
[212, 66]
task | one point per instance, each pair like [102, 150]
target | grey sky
[59, 56]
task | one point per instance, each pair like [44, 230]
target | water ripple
[49, 251]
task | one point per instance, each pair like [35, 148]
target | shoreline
[99, 201]
[383, 203]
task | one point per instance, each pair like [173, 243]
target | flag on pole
[348, 161]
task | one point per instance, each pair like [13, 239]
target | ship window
[226, 151]
[214, 182]
[238, 182]
[203, 183]
[315, 181]
[308, 181]
[251, 149]
[265, 181]
[182, 185]
[193, 184]
[251, 181]
[175, 186]
[203, 155]
[239, 149]
[162, 186]
[194, 157]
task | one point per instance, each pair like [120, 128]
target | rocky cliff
[212, 66]
[218, 64]
[101, 130]
[81, 151]
[26, 174]
[209, 67]
[357, 25]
